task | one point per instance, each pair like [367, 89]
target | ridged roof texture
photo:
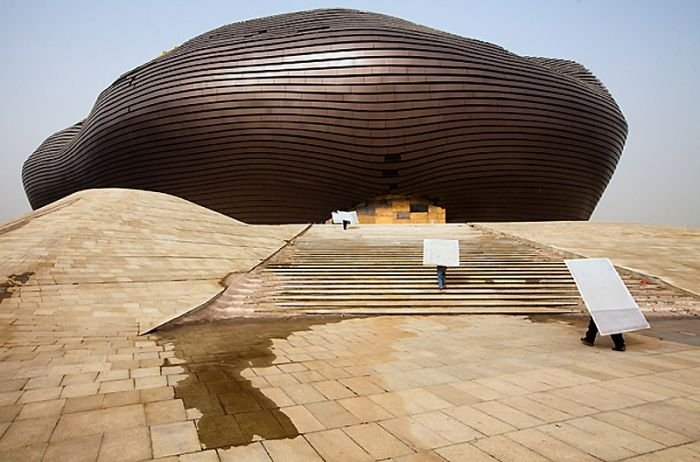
[283, 119]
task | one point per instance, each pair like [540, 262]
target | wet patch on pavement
[214, 377]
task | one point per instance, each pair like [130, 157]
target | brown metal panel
[283, 119]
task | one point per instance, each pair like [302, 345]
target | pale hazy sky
[56, 56]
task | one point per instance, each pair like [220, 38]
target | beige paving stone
[447, 427]
[31, 453]
[331, 414]
[99, 421]
[79, 379]
[74, 450]
[150, 382]
[121, 398]
[17, 384]
[480, 392]
[174, 439]
[361, 386]
[598, 397]
[131, 445]
[27, 432]
[451, 394]
[549, 447]
[303, 393]
[333, 390]
[40, 394]
[303, 420]
[562, 404]
[160, 412]
[640, 427]
[308, 376]
[426, 400]
[423, 456]
[379, 443]
[51, 408]
[156, 394]
[46, 381]
[464, 452]
[277, 397]
[337, 446]
[334, 373]
[535, 409]
[681, 453]
[507, 450]
[671, 417]
[204, 456]
[84, 389]
[107, 376]
[365, 409]
[508, 414]
[413, 433]
[116, 385]
[145, 372]
[479, 420]
[83, 403]
[281, 380]
[599, 445]
[397, 403]
[8, 413]
[291, 450]
[254, 452]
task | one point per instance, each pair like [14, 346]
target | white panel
[610, 303]
[443, 252]
[339, 216]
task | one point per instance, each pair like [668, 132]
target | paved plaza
[79, 383]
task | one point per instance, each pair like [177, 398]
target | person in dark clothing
[591, 333]
[441, 271]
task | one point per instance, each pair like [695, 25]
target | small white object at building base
[340, 216]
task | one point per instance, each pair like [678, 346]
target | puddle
[218, 384]
[14, 280]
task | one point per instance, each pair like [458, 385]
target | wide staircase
[377, 269]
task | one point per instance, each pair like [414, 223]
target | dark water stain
[220, 385]
[14, 280]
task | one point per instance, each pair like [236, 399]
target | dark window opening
[390, 173]
[419, 207]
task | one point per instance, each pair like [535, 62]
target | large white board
[610, 303]
[442, 252]
[339, 216]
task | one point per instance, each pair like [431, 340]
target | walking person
[441, 273]
[589, 338]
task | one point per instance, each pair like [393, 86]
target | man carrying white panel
[613, 310]
[443, 253]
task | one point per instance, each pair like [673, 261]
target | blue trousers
[441, 271]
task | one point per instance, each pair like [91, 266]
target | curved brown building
[283, 119]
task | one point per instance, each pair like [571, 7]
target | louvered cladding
[283, 119]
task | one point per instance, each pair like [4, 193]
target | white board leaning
[610, 303]
[441, 252]
[338, 217]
